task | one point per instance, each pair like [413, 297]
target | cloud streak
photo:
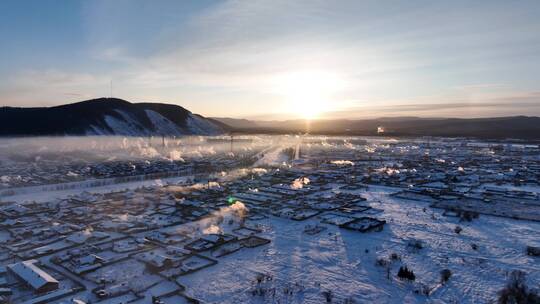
[223, 59]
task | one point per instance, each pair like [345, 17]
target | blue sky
[277, 59]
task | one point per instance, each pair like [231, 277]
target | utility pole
[110, 88]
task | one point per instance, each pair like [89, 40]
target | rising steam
[226, 218]
[300, 182]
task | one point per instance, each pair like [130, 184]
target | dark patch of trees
[533, 251]
[445, 275]
[406, 273]
[517, 292]
[468, 216]
[328, 296]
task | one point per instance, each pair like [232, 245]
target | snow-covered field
[344, 262]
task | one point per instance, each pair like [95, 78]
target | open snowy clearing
[300, 268]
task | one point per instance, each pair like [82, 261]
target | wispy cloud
[518, 103]
[223, 58]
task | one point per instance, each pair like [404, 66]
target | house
[156, 261]
[33, 276]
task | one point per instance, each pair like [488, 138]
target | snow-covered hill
[130, 126]
[106, 116]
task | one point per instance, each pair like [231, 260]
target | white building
[33, 276]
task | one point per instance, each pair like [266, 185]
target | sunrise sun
[308, 94]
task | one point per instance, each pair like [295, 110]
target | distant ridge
[114, 116]
[106, 116]
[518, 127]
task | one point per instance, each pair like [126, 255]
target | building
[33, 276]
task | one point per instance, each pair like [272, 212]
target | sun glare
[308, 93]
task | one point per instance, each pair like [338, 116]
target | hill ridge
[105, 116]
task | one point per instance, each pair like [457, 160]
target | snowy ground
[46, 196]
[299, 268]
[344, 262]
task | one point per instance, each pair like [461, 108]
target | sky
[277, 59]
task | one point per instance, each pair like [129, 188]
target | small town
[283, 219]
